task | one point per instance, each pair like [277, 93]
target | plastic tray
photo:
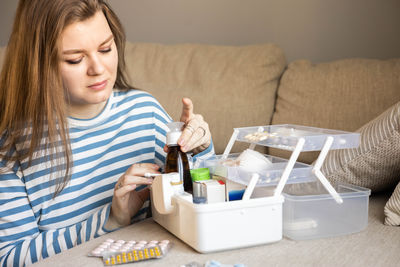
[268, 177]
[286, 136]
[310, 212]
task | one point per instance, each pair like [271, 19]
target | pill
[120, 242]
[109, 240]
[97, 252]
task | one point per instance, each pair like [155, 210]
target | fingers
[139, 169]
[187, 110]
[198, 144]
[134, 176]
[195, 134]
[128, 183]
[188, 132]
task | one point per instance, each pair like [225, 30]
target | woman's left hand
[196, 135]
[127, 201]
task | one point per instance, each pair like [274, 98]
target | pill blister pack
[122, 251]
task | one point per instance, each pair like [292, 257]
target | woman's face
[89, 61]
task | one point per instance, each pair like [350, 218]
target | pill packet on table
[119, 246]
[134, 255]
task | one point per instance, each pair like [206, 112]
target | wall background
[319, 30]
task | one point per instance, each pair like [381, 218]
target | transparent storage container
[268, 177]
[310, 212]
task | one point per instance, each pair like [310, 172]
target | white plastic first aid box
[262, 219]
[224, 225]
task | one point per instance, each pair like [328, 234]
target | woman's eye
[105, 50]
[73, 62]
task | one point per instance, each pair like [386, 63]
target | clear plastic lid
[286, 136]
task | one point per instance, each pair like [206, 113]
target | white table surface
[378, 245]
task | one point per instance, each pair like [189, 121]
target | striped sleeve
[161, 118]
[205, 154]
[21, 240]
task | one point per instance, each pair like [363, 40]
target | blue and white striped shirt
[34, 225]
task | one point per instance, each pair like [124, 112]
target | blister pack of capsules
[121, 251]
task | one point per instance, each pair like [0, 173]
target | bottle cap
[175, 131]
[200, 174]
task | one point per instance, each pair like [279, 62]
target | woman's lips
[99, 85]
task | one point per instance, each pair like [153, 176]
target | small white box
[215, 191]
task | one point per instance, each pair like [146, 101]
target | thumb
[187, 110]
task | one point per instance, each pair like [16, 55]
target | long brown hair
[32, 97]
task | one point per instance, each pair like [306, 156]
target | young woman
[74, 150]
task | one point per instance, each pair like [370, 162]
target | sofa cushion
[230, 86]
[343, 94]
[375, 164]
[392, 208]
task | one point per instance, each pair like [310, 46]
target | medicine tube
[176, 160]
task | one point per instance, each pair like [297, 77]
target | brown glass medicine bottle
[176, 160]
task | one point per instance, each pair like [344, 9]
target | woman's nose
[96, 66]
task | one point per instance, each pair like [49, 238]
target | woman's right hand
[127, 201]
